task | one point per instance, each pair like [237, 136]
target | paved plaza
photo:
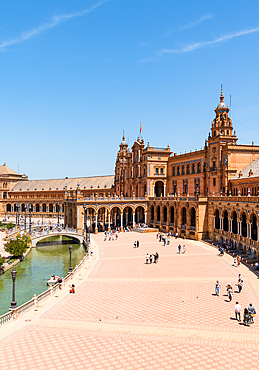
[129, 315]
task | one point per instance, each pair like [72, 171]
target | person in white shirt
[237, 311]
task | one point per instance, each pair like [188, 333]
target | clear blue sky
[75, 74]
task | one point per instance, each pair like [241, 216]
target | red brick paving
[158, 316]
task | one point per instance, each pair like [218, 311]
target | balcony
[213, 168]
[183, 227]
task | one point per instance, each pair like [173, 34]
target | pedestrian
[217, 288]
[237, 311]
[179, 248]
[151, 258]
[252, 312]
[137, 243]
[157, 256]
[240, 286]
[116, 236]
[239, 278]
[168, 241]
[147, 258]
[230, 294]
[176, 235]
[184, 249]
[247, 319]
[235, 262]
[164, 241]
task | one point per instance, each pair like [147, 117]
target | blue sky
[75, 74]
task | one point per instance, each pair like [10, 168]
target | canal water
[37, 267]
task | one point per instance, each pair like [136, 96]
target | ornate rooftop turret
[222, 124]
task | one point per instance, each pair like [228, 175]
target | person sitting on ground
[72, 289]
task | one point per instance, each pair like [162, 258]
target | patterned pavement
[129, 315]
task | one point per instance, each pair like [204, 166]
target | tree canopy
[18, 246]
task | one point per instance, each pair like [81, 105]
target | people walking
[151, 258]
[247, 319]
[252, 312]
[147, 258]
[179, 248]
[240, 285]
[230, 294]
[217, 288]
[184, 249]
[237, 311]
[137, 243]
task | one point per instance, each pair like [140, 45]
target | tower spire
[221, 94]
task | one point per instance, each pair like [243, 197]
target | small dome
[221, 105]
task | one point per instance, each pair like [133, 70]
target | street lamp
[70, 251]
[25, 207]
[18, 216]
[84, 206]
[13, 303]
[87, 228]
[58, 212]
[30, 210]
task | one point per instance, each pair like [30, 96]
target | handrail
[14, 313]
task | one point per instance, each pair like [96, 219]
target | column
[104, 221]
[133, 214]
[249, 230]
[257, 232]
[121, 220]
[154, 191]
[164, 190]
[231, 221]
[214, 222]
[146, 219]
[109, 222]
[127, 218]
[96, 224]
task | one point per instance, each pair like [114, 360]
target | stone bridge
[73, 234]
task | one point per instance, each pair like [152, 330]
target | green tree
[18, 246]
[10, 225]
[2, 261]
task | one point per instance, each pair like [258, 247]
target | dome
[221, 105]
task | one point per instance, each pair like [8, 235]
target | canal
[37, 267]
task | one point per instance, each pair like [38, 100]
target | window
[199, 167]
[214, 182]
[183, 170]
[178, 170]
[161, 171]
[156, 171]
[214, 163]
[188, 169]
[173, 173]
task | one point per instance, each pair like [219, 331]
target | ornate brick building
[211, 193]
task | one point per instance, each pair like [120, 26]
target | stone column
[127, 218]
[109, 222]
[133, 214]
[145, 217]
[96, 223]
[104, 221]
[154, 191]
[121, 220]
[249, 229]
[257, 233]
[214, 223]
[230, 225]
[164, 190]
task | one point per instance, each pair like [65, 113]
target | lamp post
[58, 212]
[30, 210]
[87, 227]
[18, 216]
[13, 303]
[15, 207]
[25, 207]
[70, 251]
[42, 219]
[84, 207]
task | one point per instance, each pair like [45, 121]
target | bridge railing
[34, 302]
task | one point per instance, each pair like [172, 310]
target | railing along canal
[13, 314]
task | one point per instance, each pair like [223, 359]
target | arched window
[51, 207]
[158, 213]
[254, 227]
[193, 168]
[188, 169]
[244, 225]
[199, 167]
[193, 217]
[173, 172]
[37, 207]
[165, 214]
[44, 207]
[178, 170]
[217, 220]
[234, 223]
[183, 170]
[152, 212]
[183, 216]
[225, 220]
[172, 215]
